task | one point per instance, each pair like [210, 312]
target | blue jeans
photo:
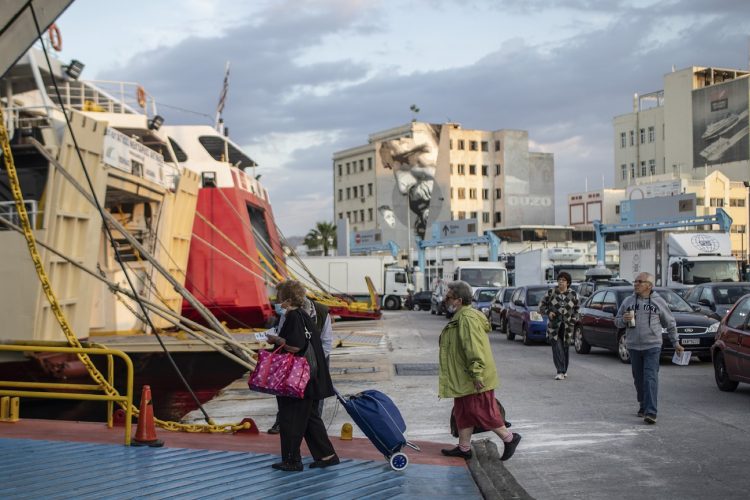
[645, 365]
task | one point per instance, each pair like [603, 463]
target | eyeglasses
[638, 282]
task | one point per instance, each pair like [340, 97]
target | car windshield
[675, 302]
[534, 296]
[485, 295]
[485, 277]
[697, 272]
[728, 295]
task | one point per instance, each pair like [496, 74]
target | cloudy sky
[310, 77]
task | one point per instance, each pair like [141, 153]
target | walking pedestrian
[468, 374]
[643, 315]
[560, 304]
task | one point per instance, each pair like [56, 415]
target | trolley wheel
[398, 461]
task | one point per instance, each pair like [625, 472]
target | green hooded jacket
[465, 355]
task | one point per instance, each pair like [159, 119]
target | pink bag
[280, 374]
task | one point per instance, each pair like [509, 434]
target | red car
[731, 350]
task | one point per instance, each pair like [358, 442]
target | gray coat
[651, 315]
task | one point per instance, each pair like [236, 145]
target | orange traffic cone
[145, 434]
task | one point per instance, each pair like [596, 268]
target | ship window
[178, 151]
[215, 146]
[208, 179]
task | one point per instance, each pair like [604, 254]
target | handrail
[127, 399]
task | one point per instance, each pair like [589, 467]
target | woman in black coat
[297, 417]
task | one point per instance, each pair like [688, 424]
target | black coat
[293, 332]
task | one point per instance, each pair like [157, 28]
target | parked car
[680, 289]
[596, 326]
[420, 301]
[482, 298]
[523, 315]
[437, 301]
[586, 288]
[715, 299]
[498, 308]
[731, 351]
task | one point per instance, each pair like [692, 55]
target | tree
[322, 235]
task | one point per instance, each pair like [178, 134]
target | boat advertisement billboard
[720, 123]
[129, 155]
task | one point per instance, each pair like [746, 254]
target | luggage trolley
[378, 417]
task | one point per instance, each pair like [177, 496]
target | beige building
[602, 205]
[417, 174]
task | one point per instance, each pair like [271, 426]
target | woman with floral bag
[297, 417]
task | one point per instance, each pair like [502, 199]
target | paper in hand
[682, 360]
[263, 336]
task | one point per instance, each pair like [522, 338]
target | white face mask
[452, 307]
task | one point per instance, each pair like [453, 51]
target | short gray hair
[461, 290]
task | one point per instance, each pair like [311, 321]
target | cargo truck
[476, 273]
[535, 267]
[678, 257]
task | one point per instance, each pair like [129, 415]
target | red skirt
[477, 410]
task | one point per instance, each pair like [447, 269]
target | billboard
[720, 123]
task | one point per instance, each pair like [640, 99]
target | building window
[632, 137]
[472, 215]
[450, 143]
[651, 134]
[354, 191]
[498, 169]
[632, 170]
[497, 145]
[341, 215]
[340, 170]
[362, 215]
[451, 168]
[451, 193]
[736, 202]
[485, 146]
[498, 217]
[484, 170]
[623, 139]
[341, 194]
[369, 214]
[652, 167]
[485, 194]
[461, 169]
[361, 165]
[643, 169]
[700, 202]
[472, 170]
[472, 193]
[472, 145]
[617, 209]
[369, 164]
[716, 202]
[461, 215]
[498, 193]
[460, 144]
[461, 193]
[485, 217]
[348, 193]
[349, 216]
[643, 136]
[738, 228]
[624, 169]
[369, 189]
[348, 168]
[354, 215]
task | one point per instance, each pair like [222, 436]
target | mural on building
[720, 123]
[408, 185]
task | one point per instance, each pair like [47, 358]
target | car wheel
[580, 344]
[721, 375]
[622, 350]
[508, 332]
[504, 325]
[391, 303]
[525, 335]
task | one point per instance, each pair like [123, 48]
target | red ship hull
[233, 232]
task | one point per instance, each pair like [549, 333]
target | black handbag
[477, 430]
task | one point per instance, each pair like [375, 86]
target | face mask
[452, 308]
[279, 310]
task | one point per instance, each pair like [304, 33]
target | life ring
[55, 39]
[140, 94]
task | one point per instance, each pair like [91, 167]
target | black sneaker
[510, 448]
[650, 419]
[288, 466]
[641, 414]
[319, 464]
[274, 428]
[456, 452]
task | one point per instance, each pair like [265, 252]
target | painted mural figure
[414, 163]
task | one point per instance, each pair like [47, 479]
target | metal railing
[62, 390]
[8, 211]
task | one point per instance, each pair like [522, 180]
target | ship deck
[54, 459]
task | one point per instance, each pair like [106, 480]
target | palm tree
[324, 234]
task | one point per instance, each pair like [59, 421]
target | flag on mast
[222, 96]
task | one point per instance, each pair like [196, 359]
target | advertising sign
[129, 155]
[442, 230]
[720, 123]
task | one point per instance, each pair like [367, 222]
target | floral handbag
[280, 374]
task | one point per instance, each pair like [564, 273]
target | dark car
[596, 326]
[731, 351]
[498, 308]
[420, 301]
[586, 288]
[523, 315]
[482, 298]
[716, 299]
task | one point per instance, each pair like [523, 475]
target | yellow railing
[47, 389]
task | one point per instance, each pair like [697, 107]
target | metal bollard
[346, 432]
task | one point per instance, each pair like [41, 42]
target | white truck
[476, 273]
[534, 267]
[346, 275]
[683, 257]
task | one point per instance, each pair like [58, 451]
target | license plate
[690, 341]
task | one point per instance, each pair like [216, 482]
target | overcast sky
[309, 78]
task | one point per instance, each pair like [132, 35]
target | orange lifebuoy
[140, 94]
[55, 39]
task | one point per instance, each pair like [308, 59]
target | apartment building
[409, 177]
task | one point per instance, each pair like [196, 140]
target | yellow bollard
[4, 408]
[15, 409]
[346, 432]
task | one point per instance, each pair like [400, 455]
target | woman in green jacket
[468, 374]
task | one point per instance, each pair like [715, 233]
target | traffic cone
[145, 434]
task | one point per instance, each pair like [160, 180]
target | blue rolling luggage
[377, 416]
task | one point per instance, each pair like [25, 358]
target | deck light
[156, 122]
[74, 69]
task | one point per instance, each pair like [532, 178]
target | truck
[476, 273]
[346, 276]
[678, 257]
[534, 267]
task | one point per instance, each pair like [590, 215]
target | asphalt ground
[581, 436]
